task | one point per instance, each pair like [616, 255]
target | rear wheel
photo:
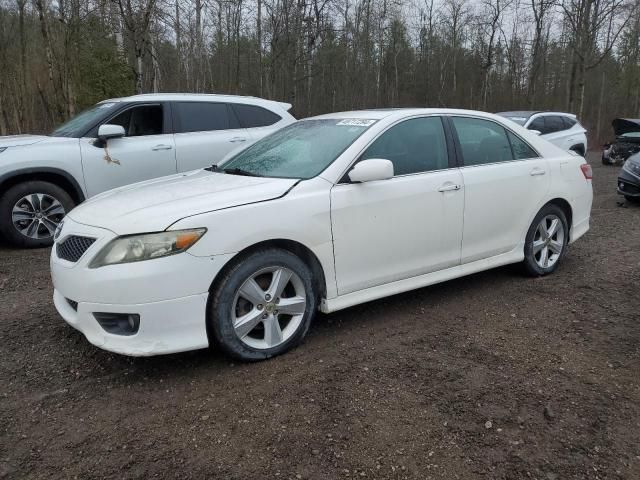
[546, 241]
[263, 305]
[31, 211]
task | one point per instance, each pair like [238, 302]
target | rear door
[205, 132]
[505, 180]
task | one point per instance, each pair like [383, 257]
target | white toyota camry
[329, 212]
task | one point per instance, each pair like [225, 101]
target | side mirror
[536, 132]
[107, 131]
[371, 169]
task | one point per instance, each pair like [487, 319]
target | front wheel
[546, 241]
[263, 305]
[31, 211]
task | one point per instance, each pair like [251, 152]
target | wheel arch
[565, 206]
[578, 148]
[55, 176]
[300, 250]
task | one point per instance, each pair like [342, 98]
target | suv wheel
[546, 241]
[263, 305]
[31, 211]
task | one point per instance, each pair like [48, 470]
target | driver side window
[413, 146]
[140, 121]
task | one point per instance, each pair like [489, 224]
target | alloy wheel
[269, 307]
[37, 215]
[548, 241]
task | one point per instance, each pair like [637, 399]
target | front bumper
[169, 294]
[628, 184]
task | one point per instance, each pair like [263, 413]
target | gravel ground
[492, 376]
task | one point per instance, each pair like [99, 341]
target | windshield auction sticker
[356, 122]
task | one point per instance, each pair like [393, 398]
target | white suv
[118, 142]
[562, 129]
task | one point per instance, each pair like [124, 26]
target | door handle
[161, 147]
[238, 140]
[449, 187]
[537, 171]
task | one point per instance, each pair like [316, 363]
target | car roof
[379, 114]
[529, 113]
[196, 97]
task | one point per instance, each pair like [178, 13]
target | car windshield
[79, 124]
[301, 150]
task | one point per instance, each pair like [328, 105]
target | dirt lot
[492, 376]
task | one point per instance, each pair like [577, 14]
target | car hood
[20, 140]
[154, 205]
[625, 125]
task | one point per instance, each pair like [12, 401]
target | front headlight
[632, 166]
[136, 248]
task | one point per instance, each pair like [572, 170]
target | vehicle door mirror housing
[536, 132]
[371, 169]
[107, 131]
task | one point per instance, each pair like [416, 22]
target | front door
[146, 151]
[405, 226]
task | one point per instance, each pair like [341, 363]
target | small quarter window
[521, 150]
[252, 116]
[554, 124]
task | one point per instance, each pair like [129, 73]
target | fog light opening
[118, 323]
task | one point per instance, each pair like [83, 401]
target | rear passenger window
[252, 116]
[202, 117]
[540, 125]
[554, 124]
[521, 150]
[568, 122]
[482, 141]
[413, 146]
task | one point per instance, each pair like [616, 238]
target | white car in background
[561, 129]
[118, 142]
[326, 213]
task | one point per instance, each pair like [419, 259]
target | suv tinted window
[251, 116]
[416, 145]
[482, 141]
[554, 124]
[568, 122]
[540, 125]
[140, 121]
[202, 117]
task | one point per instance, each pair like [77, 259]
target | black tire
[221, 303]
[605, 161]
[9, 232]
[530, 264]
[631, 199]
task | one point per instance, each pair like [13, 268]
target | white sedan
[327, 213]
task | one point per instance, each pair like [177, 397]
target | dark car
[629, 179]
[627, 142]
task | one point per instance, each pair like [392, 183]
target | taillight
[586, 171]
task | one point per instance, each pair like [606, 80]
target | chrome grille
[73, 247]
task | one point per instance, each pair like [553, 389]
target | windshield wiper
[239, 171]
[213, 168]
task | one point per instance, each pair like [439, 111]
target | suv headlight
[136, 248]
